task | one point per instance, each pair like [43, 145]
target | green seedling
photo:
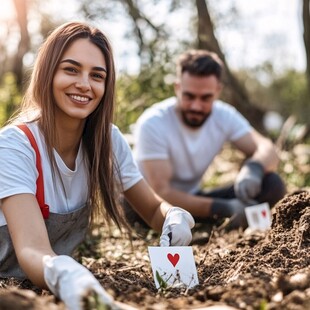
[91, 301]
[263, 305]
[162, 283]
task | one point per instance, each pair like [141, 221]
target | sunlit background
[261, 43]
[266, 30]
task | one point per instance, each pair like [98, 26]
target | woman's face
[79, 81]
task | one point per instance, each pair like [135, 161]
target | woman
[68, 108]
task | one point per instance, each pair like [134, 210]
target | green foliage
[256, 88]
[10, 97]
[285, 93]
[294, 168]
[136, 93]
[289, 95]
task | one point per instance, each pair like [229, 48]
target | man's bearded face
[196, 95]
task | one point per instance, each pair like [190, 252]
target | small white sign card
[173, 266]
[259, 216]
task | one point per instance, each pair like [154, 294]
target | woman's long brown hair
[96, 136]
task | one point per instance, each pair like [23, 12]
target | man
[176, 140]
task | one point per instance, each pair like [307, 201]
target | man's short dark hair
[200, 63]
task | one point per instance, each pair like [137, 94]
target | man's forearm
[267, 156]
[198, 206]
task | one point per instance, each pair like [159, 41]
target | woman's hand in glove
[177, 227]
[69, 280]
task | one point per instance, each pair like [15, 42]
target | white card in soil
[258, 216]
[173, 265]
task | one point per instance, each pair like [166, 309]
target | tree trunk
[306, 24]
[238, 95]
[24, 43]
[306, 35]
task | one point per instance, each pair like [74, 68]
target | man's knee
[273, 189]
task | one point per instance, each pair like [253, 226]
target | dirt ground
[236, 269]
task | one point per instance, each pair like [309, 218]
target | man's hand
[249, 181]
[177, 227]
[231, 208]
[70, 281]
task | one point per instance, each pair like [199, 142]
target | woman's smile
[80, 99]
[79, 82]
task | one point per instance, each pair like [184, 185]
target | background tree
[157, 49]
[21, 8]
[306, 36]
[236, 94]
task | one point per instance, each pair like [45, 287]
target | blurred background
[265, 46]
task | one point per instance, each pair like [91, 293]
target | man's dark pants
[273, 190]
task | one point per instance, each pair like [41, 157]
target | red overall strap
[40, 184]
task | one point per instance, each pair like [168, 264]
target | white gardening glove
[69, 280]
[248, 183]
[177, 228]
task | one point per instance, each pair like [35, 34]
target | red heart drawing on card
[264, 213]
[173, 258]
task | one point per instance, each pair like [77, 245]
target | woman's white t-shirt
[18, 172]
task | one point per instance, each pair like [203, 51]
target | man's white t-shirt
[18, 172]
[160, 134]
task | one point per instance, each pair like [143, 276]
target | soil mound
[242, 270]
